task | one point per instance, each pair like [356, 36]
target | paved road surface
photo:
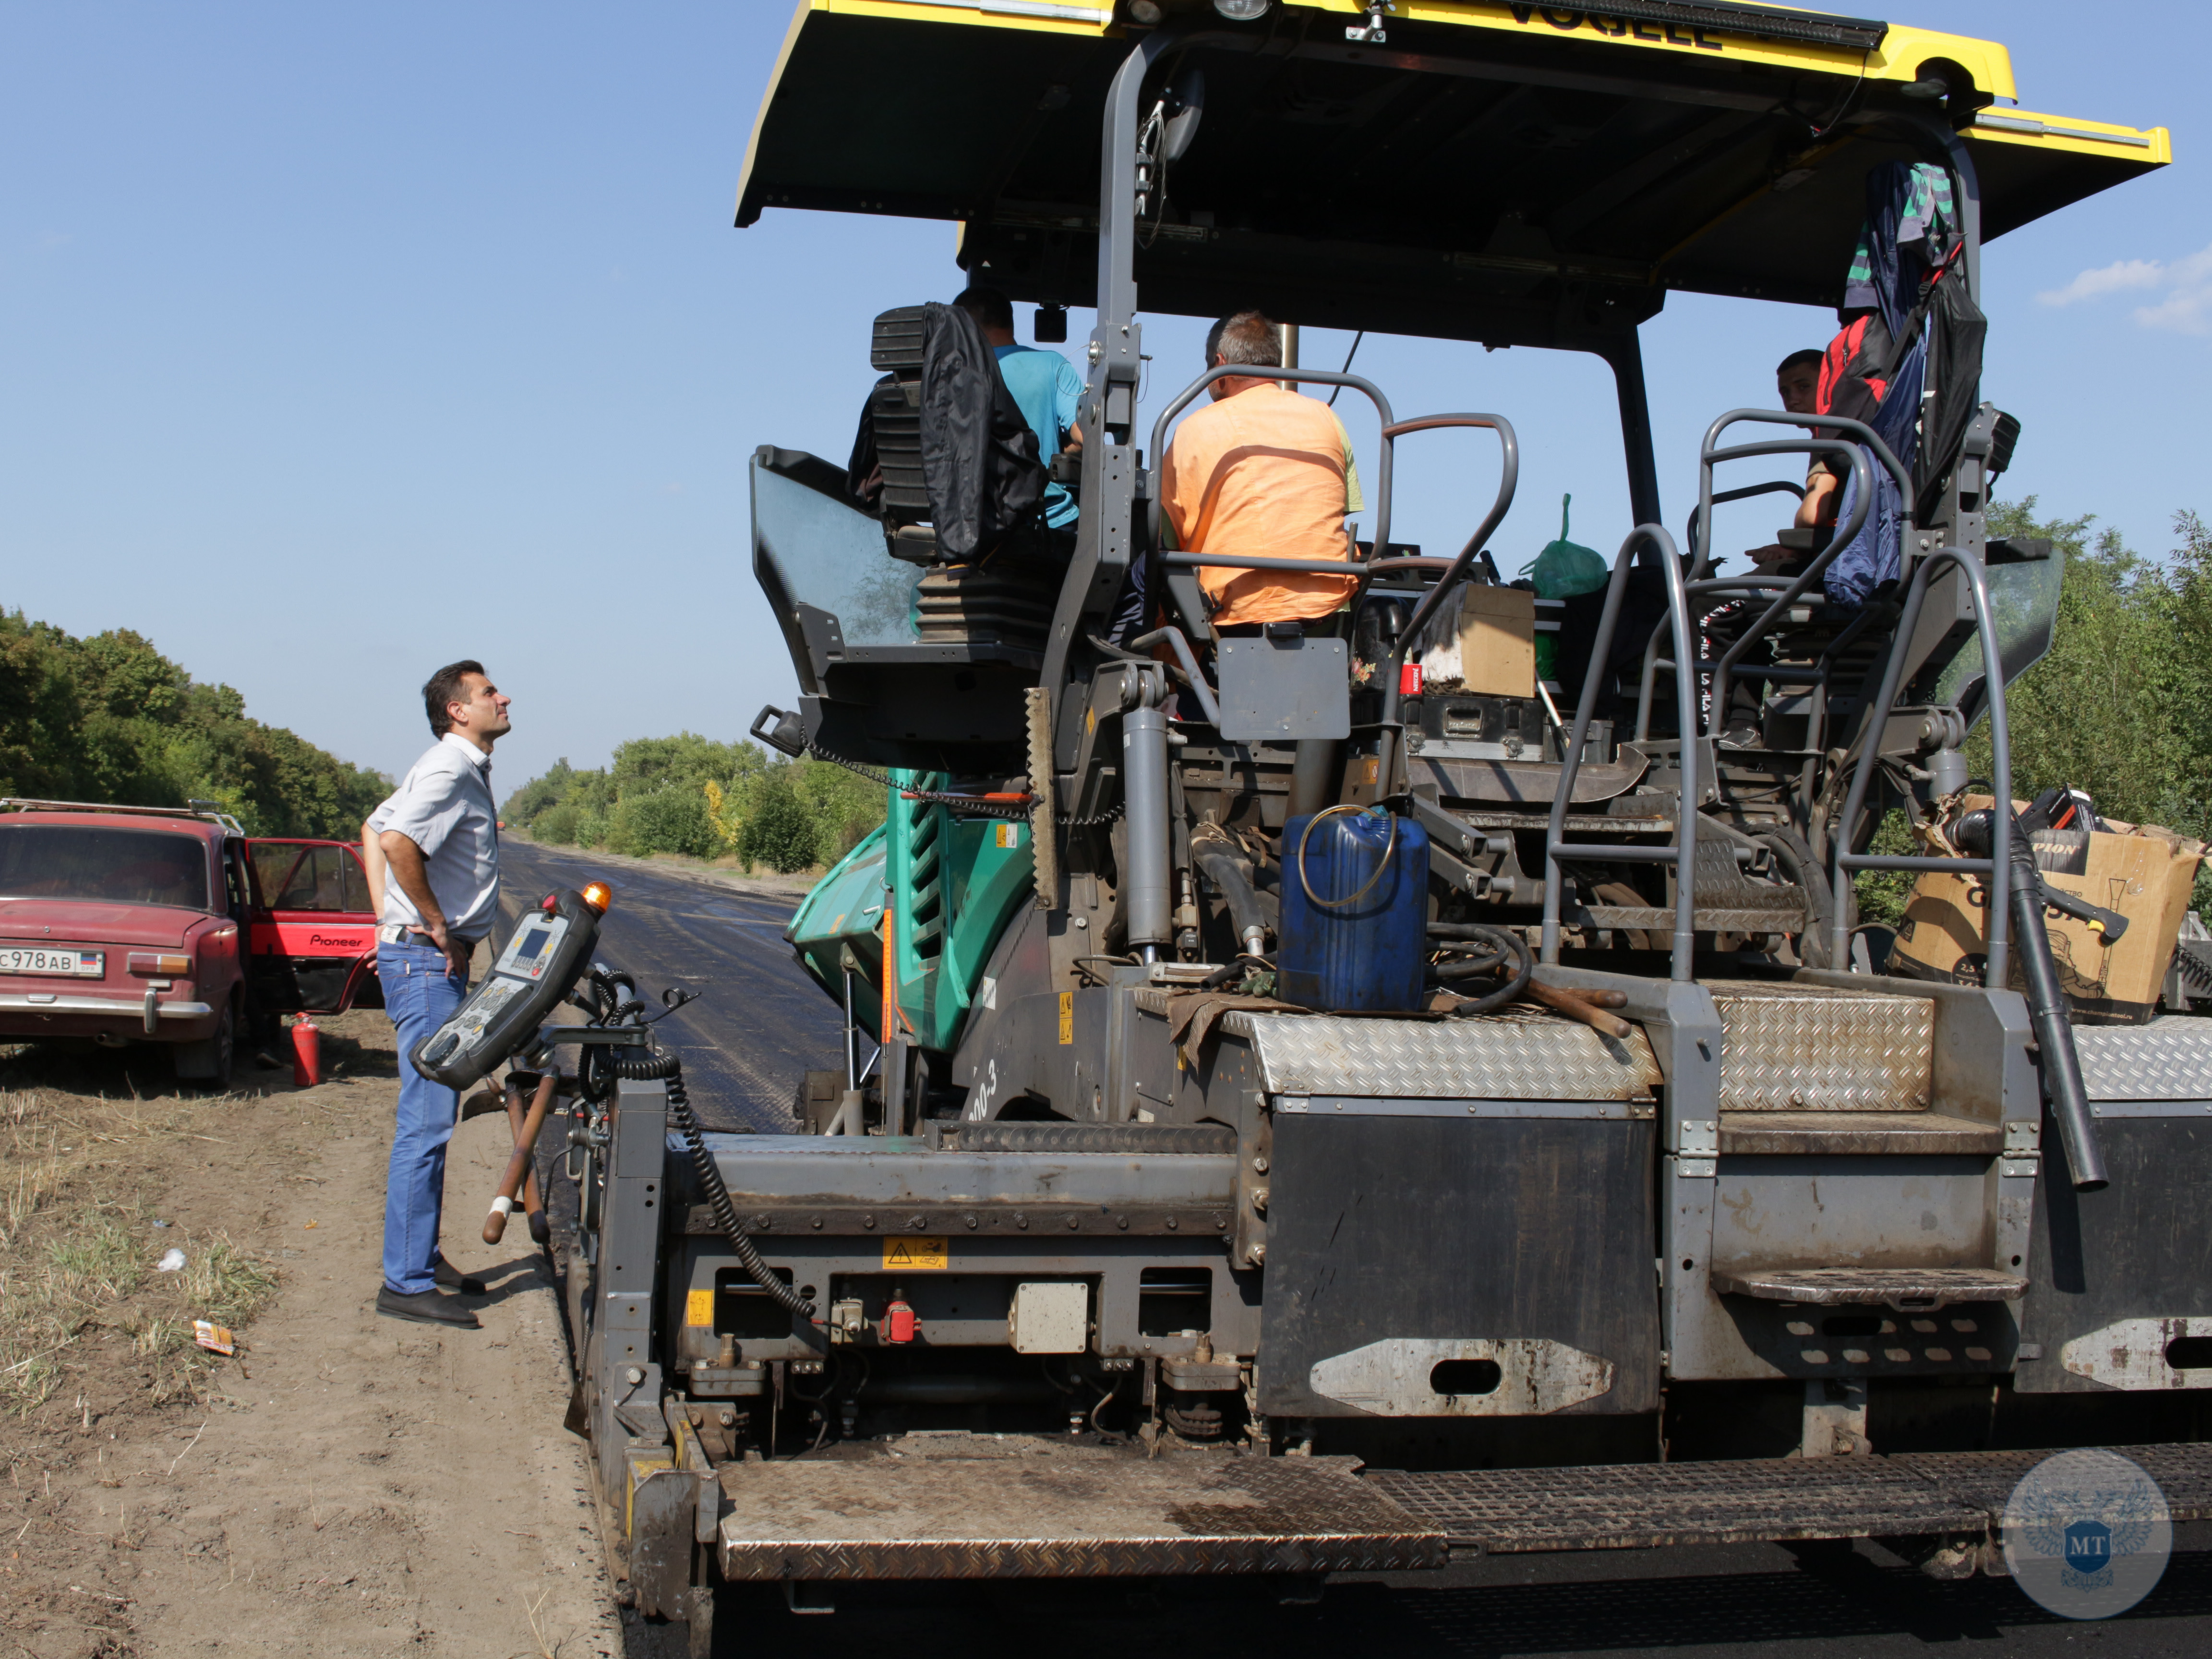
[761, 1022]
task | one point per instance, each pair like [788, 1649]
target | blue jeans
[419, 994]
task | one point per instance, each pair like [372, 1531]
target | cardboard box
[2143, 872]
[1492, 652]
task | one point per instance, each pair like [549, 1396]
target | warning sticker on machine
[1066, 1017]
[699, 1307]
[917, 1254]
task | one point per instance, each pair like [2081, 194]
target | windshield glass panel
[116, 867]
[296, 876]
[2024, 599]
[826, 556]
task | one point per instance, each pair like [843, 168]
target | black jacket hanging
[979, 456]
[1956, 329]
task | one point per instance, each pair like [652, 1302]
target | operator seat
[944, 455]
[927, 669]
[945, 458]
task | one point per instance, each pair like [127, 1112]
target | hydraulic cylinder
[1147, 882]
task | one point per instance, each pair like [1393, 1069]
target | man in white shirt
[433, 856]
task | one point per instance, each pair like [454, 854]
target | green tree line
[2122, 706]
[110, 719]
[695, 796]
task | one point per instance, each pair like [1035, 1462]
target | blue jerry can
[1355, 910]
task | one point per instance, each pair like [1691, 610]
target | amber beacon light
[599, 896]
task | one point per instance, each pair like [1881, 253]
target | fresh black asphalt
[759, 1022]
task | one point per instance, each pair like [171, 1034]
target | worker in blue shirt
[1045, 385]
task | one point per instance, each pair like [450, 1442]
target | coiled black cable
[1482, 949]
[607, 995]
[669, 1069]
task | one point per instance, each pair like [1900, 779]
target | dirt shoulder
[347, 1484]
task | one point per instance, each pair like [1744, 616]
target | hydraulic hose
[1231, 873]
[1805, 872]
[669, 1069]
[1484, 950]
[2054, 1033]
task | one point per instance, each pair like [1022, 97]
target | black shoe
[454, 1278]
[425, 1307]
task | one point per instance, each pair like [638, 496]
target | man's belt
[398, 932]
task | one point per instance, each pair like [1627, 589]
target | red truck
[171, 924]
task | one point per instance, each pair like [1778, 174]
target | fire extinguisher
[306, 1054]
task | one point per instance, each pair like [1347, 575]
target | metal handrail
[1188, 395]
[1792, 588]
[1773, 487]
[1683, 853]
[1182, 560]
[1829, 426]
[1509, 482]
[1392, 429]
[1866, 751]
[1846, 532]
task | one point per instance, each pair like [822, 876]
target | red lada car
[312, 944]
[147, 925]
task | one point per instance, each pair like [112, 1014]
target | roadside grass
[221, 1284]
[78, 1246]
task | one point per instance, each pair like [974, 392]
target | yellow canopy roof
[1487, 171]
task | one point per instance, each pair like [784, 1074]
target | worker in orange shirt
[1265, 472]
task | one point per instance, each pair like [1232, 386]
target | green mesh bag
[1561, 571]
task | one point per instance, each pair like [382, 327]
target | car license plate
[76, 964]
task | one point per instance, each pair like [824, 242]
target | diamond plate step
[2169, 1059]
[1647, 1505]
[983, 1506]
[1517, 1054]
[1907, 1289]
[1793, 1048]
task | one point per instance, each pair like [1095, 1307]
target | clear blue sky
[338, 342]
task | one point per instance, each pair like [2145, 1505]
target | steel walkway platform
[1645, 1505]
[990, 1506]
[994, 1506]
